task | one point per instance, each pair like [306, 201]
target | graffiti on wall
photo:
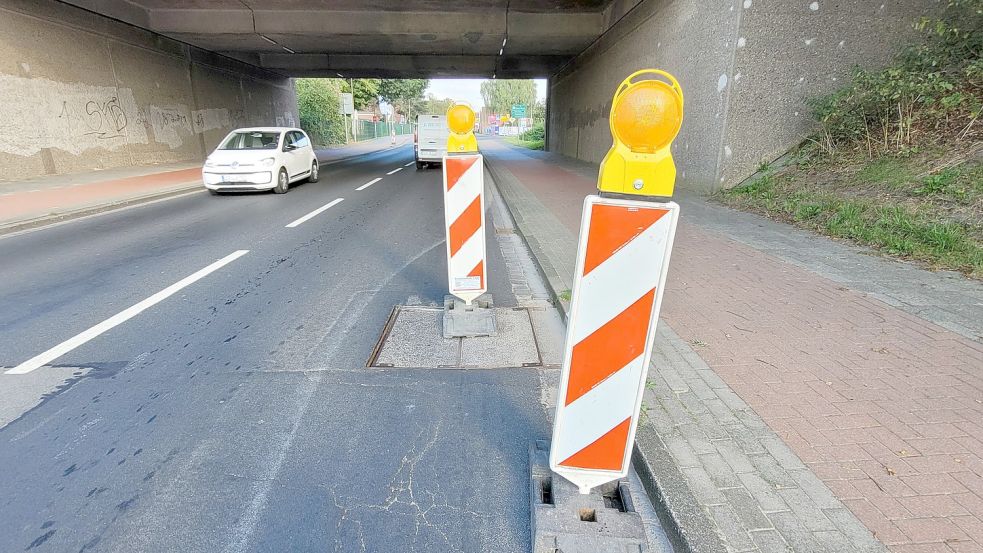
[41, 113]
[209, 119]
[171, 124]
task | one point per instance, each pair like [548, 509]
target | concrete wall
[80, 91]
[746, 68]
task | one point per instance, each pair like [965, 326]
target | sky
[469, 90]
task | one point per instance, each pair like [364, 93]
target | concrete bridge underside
[183, 72]
[380, 38]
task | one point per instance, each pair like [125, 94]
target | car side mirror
[289, 147]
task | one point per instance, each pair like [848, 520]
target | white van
[430, 139]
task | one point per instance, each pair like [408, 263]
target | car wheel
[282, 182]
[214, 192]
[420, 165]
[315, 167]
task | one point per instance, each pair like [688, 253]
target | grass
[531, 144]
[895, 160]
[887, 203]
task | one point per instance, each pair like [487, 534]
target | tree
[319, 107]
[404, 94]
[500, 95]
[366, 92]
[437, 105]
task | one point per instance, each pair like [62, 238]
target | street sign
[347, 102]
[622, 262]
[464, 223]
[518, 110]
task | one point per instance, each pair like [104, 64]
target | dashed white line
[368, 184]
[410, 163]
[315, 213]
[121, 317]
[396, 170]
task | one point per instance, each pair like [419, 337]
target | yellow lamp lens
[460, 119]
[647, 116]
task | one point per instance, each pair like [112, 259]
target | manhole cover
[413, 338]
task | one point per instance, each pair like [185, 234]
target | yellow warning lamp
[460, 121]
[645, 118]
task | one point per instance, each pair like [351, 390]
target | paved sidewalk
[36, 202]
[794, 376]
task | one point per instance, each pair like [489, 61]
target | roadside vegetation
[320, 110]
[896, 162]
[534, 138]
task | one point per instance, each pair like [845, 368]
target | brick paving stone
[812, 345]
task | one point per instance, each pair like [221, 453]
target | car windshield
[252, 141]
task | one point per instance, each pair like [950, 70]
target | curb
[45, 220]
[687, 525]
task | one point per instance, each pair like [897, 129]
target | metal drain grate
[413, 338]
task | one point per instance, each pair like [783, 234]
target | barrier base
[466, 321]
[563, 519]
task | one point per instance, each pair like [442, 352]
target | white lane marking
[368, 184]
[315, 213]
[410, 163]
[121, 317]
[396, 170]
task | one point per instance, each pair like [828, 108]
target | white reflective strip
[471, 252]
[68, 345]
[595, 413]
[458, 198]
[620, 280]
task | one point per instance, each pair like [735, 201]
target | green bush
[936, 83]
[536, 133]
[318, 104]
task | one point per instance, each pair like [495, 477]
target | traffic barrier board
[464, 217]
[622, 262]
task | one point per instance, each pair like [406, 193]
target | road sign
[518, 110]
[464, 223]
[347, 102]
[645, 118]
[622, 262]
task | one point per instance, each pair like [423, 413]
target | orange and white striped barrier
[464, 217]
[622, 262]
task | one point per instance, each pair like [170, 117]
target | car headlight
[267, 161]
[209, 163]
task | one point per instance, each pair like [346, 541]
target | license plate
[228, 178]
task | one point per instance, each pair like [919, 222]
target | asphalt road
[237, 413]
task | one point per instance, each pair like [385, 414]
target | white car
[261, 158]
